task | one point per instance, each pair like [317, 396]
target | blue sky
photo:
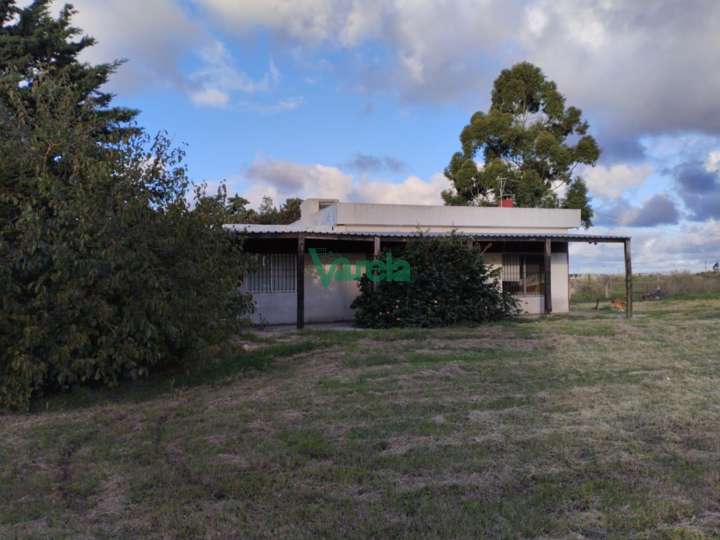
[364, 100]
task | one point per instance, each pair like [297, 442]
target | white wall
[329, 304]
[559, 282]
[322, 304]
[274, 308]
[401, 217]
[532, 304]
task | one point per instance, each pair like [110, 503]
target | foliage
[530, 143]
[577, 197]
[237, 211]
[106, 271]
[450, 284]
[33, 44]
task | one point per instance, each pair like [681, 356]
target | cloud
[693, 177]
[154, 37]
[304, 20]
[287, 104]
[210, 97]
[426, 61]
[290, 179]
[699, 189]
[281, 179]
[632, 65]
[633, 69]
[157, 38]
[612, 181]
[659, 209]
[629, 66]
[669, 249]
[713, 161]
[412, 190]
[218, 78]
[366, 163]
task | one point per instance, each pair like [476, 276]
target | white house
[529, 245]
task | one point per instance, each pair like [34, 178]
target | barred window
[523, 274]
[275, 273]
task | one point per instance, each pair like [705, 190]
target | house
[529, 245]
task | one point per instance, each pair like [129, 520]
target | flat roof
[328, 232]
[382, 216]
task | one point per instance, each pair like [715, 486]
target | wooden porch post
[300, 285]
[376, 254]
[628, 281]
[548, 276]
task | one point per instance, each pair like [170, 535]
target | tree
[577, 197]
[106, 271]
[237, 211]
[530, 144]
[290, 211]
[449, 284]
[34, 45]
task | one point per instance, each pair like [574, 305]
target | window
[523, 274]
[275, 273]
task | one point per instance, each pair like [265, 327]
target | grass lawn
[583, 426]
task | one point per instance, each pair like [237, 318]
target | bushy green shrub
[107, 271]
[450, 284]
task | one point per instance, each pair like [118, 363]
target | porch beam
[628, 281]
[300, 285]
[548, 275]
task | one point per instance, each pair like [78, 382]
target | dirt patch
[491, 482]
[111, 499]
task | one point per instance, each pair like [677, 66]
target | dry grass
[567, 427]
[675, 285]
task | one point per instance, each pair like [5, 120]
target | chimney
[506, 202]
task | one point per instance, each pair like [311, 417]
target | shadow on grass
[225, 367]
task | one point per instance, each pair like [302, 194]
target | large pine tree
[36, 45]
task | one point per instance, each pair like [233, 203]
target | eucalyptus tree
[528, 145]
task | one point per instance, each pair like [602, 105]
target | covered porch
[532, 267]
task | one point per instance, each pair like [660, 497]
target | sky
[364, 100]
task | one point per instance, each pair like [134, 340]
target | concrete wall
[332, 304]
[322, 304]
[274, 308]
[532, 304]
[406, 217]
[560, 283]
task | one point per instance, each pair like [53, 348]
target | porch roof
[328, 232]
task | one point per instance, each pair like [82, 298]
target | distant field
[678, 285]
[581, 426]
